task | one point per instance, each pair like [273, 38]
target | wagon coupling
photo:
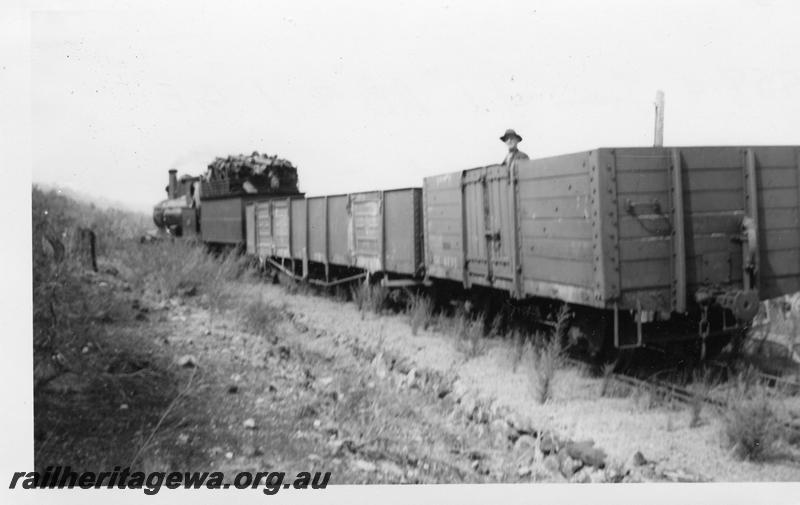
[742, 303]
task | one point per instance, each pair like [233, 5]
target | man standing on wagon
[511, 139]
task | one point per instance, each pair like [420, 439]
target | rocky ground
[291, 382]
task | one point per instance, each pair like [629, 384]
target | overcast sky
[364, 95]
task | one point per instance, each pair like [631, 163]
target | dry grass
[646, 397]
[518, 339]
[420, 312]
[467, 331]
[496, 326]
[293, 286]
[68, 300]
[84, 331]
[172, 267]
[59, 215]
[752, 428]
[700, 387]
[546, 360]
[370, 297]
[470, 340]
[260, 317]
[608, 375]
[454, 324]
[341, 293]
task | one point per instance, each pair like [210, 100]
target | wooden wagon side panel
[777, 172]
[281, 228]
[264, 230]
[366, 230]
[443, 226]
[644, 238]
[556, 205]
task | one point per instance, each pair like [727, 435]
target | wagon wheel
[590, 335]
[625, 359]
[728, 346]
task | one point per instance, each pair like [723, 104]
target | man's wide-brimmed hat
[510, 133]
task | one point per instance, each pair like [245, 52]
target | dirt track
[313, 386]
[288, 398]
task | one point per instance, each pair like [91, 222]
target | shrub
[752, 427]
[260, 317]
[547, 359]
[562, 325]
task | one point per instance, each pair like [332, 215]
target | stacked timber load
[254, 173]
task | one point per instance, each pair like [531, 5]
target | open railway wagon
[222, 218]
[224, 200]
[651, 246]
[335, 239]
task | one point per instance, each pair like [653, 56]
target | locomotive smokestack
[173, 183]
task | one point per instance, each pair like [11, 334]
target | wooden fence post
[84, 248]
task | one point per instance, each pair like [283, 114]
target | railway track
[776, 382]
[669, 390]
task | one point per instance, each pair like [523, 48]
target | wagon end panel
[555, 213]
[714, 195]
[443, 226]
[777, 171]
[680, 212]
[699, 220]
[742, 215]
[222, 221]
[402, 248]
